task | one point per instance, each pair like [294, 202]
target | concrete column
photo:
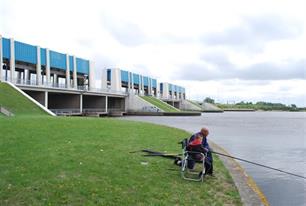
[28, 76]
[157, 90]
[129, 82]
[1, 59]
[67, 72]
[38, 67]
[19, 76]
[116, 80]
[132, 82]
[55, 79]
[46, 99]
[142, 85]
[165, 93]
[75, 78]
[106, 103]
[150, 86]
[12, 60]
[24, 75]
[104, 79]
[91, 76]
[81, 103]
[48, 73]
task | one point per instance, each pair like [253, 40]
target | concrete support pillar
[46, 99]
[129, 82]
[55, 79]
[165, 93]
[19, 76]
[132, 83]
[91, 76]
[75, 78]
[106, 104]
[1, 60]
[142, 85]
[28, 76]
[81, 103]
[12, 60]
[48, 73]
[67, 72]
[150, 86]
[104, 79]
[116, 80]
[24, 75]
[38, 67]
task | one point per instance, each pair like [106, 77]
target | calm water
[276, 139]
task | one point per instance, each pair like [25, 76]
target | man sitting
[204, 147]
[196, 146]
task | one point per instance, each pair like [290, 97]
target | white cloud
[159, 38]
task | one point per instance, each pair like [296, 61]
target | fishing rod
[261, 165]
[174, 156]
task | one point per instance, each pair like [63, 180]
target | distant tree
[209, 100]
[293, 106]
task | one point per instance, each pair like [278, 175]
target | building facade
[23, 63]
[171, 91]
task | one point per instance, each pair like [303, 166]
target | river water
[276, 139]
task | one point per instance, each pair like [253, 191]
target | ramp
[19, 103]
[160, 104]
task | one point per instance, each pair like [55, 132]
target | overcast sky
[227, 50]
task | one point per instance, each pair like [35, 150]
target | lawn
[86, 161]
[16, 103]
[160, 104]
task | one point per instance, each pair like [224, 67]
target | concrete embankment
[164, 113]
[250, 193]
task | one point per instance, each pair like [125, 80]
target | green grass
[160, 104]
[86, 161]
[195, 104]
[16, 103]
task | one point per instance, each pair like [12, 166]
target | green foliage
[266, 106]
[209, 100]
[16, 103]
[160, 104]
[87, 161]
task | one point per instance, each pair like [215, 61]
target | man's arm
[205, 143]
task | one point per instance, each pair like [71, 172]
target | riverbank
[81, 161]
[258, 137]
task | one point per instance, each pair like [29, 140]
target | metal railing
[94, 110]
[66, 111]
[83, 88]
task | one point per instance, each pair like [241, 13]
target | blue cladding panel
[82, 66]
[6, 48]
[175, 88]
[136, 78]
[154, 83]
[124, 76]
[109, 74]
[25, 52]
[43, 59]
[145, 81]
[71, 63]
[57, 60]
[161, 87]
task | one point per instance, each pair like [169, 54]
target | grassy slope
[160, 104]
[86, 161]
[195, 104]
[17, 103]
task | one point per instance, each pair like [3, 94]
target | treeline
[265, 106]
